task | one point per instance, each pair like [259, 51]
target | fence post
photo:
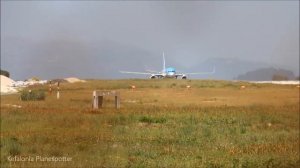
[100, 101]
[117, 101]
[95, 100]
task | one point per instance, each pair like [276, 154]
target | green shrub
[28, 95]
[5, 73]
[14, 147]
[173, 85]
[152, 120]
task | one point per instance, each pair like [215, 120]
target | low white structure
[10, 86]
[6, 85]
[73, 80]
[278, 82]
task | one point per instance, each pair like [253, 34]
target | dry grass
[161, 123]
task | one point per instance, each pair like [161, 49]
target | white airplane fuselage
[166, 72]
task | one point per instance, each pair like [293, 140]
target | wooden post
[50, 87]
[95, 100]
[57, 94]
[117, 102]
[100, 101]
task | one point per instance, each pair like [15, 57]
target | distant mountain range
[266, 74]
[240, 69]
[65, 57]
[227, 68]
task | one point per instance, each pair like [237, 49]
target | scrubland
[161, 123]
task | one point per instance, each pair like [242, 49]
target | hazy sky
[77, 38]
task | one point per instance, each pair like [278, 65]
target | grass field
[160, 124]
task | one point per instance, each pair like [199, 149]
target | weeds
[14, 147]
[150, 120]
[166, 127]
[27, 95]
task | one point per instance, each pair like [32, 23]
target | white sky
[74, 33]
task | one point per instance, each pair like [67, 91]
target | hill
[267, 74]
[226, 68]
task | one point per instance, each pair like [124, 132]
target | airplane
[169, 72]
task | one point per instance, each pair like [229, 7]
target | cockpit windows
[171, 70]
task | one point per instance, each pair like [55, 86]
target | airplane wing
[152, 75]
[200, 73]
[157, 75]
[152, 71]
[140, 73]
[179, 74]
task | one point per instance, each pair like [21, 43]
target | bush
[5, 73]
[34, 79]
[32, 95]
[149, 120]
[14, 147]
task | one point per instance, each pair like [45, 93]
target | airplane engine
[183, 77]
[152, 77]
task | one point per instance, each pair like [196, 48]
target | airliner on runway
[169, 72]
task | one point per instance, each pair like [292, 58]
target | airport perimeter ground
[160, 124]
